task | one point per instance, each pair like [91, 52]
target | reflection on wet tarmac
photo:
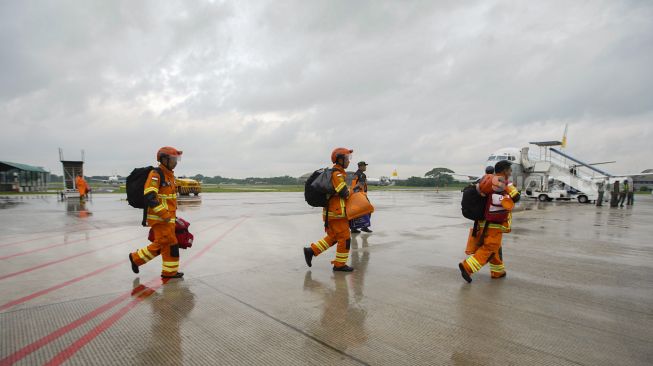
[578, 289]
[171, 305]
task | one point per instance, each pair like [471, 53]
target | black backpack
[136, 185]
[318, 188]
[473, 204]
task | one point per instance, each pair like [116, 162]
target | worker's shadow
[342, 323]
[170, 307]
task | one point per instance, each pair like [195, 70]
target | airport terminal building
[644, 181]
[16, 177]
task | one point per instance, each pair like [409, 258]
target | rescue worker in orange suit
[82, 186]
[484, 244]
[359, 184]
[335, 217]
[161, 198]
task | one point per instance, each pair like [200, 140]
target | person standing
[601, 189]
[631, 192]
[82, 186]
[623, 192]
[359, 184]
[614, 196]
[161, 199]
[335, 216]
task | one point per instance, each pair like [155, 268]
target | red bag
[184, 237]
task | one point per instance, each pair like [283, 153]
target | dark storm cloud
[252, 88]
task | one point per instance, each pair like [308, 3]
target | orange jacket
[166, 196]
[337, 201]
[82, 187]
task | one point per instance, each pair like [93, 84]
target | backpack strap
[326, 217]
[163, 180]
[481, 241]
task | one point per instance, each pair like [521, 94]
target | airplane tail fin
[564, 137]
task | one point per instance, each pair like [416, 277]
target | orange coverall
[82, 187]
[489, 251]
[337, 229]
[162, 220]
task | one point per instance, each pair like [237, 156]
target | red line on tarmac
[44, 237]
[70, 351]
[46, 264]
[56, 287]
[30, 348]
[57, 245]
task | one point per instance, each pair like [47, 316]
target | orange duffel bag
[358, 205]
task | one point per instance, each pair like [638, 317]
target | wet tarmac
[579, 289]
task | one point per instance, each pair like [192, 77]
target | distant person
[161, 199]
[484, 242]
[82, 186]
[614, 195]
[631, 193]
[488, 170]
[601, 189]
[623, 193]
[359, 184]
[335, 217]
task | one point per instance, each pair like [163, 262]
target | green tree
[435, 172]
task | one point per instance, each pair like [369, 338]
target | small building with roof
[644, 181]
[17, 177]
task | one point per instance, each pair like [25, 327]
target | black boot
[308, 255]
[355, 231]
[134, 265]
[463, 272]
[366, 229]
[344, 268]
[176, 275]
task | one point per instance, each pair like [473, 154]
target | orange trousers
[165, 243]
[488, 252]
[337, 232]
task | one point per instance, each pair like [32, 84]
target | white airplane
[554, 174]
[114, 179]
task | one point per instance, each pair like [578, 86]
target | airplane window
[492, 157]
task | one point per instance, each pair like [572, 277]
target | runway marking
[77, 345]
[46, 264]
[42, 237]
[63, 284]
[56, 287]
[59, 245]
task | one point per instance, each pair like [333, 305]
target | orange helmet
[168, 151]
[339, 151]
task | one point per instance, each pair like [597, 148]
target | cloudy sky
[269, 88]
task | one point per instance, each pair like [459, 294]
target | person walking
[335, 216]
[484, 245]
[160, 193]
